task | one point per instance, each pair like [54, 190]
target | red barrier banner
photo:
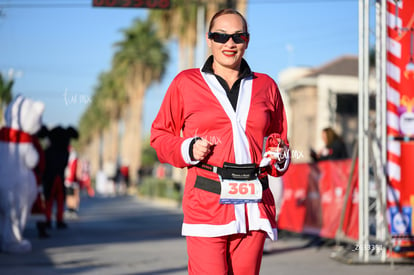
[314, 198]
[293, 210]
[333, 186]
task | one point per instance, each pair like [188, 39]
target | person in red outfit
[227, 125]
[72, 184]
[85, 178]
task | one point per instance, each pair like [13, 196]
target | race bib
[240, 191]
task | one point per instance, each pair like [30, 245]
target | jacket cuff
[185, 151]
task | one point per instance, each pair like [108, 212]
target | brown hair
[227, 11]
[331, 135]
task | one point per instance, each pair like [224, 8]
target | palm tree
[114, 101]
[100, 121]
[141, 57]
[179, 22]
[6, 95]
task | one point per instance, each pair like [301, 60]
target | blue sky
[57, 53]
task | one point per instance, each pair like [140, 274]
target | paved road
[125, 235]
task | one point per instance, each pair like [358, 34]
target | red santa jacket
[196, 105]
[71, 170]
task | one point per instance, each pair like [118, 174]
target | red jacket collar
[13, 135]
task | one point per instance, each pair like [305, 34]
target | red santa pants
[238, 254]
[57, 193]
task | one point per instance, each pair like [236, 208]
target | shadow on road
[291, 242]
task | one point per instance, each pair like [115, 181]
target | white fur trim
[210, 230]
[239, 118]
[185, 152]
[256, 223]
[242, 155]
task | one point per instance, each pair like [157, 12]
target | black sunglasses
[222, 38]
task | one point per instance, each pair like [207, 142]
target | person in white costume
[18, 156]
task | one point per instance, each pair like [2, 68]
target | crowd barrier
[314, 196]
[315, 201]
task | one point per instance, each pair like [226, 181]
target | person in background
[39, 206]
[72, 184]
[18, 158]
[334, 147]
[227, 125]
[57, 156]
[85, 178]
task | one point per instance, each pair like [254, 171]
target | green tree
[6, 95]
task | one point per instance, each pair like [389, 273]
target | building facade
[321, 97]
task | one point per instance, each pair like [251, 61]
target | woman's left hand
[280, 151]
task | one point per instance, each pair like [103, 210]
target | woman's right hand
[201, 149]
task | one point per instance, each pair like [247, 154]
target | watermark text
[74, 98]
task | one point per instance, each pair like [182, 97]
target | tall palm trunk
[92, 153]
[110, 142]
[131, 140]
[132, 135]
